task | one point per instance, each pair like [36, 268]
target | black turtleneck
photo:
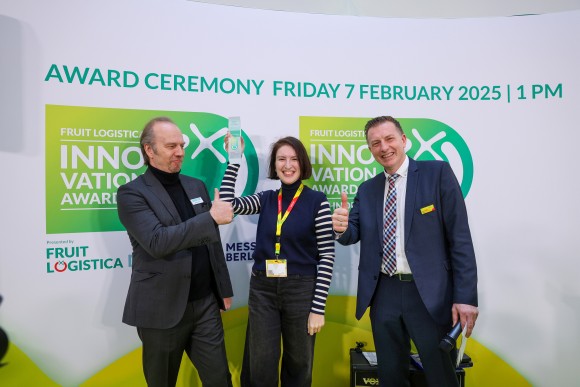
[200, 266]
[288, 191]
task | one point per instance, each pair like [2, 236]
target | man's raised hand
[340, 215]
[221, 212]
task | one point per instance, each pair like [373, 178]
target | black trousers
[200, 334]
[278, 327]
[398, 315]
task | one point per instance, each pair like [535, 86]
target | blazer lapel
[193, 191]
[412, 181]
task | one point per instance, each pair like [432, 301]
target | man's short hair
[301, 154]
[380, 120]
[148, 137]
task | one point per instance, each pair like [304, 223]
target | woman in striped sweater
[292, 271]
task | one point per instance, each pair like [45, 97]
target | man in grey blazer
[179, 279]
[420, 278]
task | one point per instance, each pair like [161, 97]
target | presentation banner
[495, 97]
[341, 158]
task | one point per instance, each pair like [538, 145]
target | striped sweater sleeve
[247, 205]
[325, 242]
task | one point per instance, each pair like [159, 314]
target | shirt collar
[403, 169]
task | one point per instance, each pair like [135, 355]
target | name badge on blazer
[197, 200]
[427, 209]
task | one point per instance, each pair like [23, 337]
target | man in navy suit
[422, 280]
[179, 279]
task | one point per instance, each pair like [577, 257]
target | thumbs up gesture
[340, 215]
[221, 212]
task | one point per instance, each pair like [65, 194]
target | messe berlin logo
[341, 159]
[91, 152]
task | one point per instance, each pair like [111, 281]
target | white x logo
[425, 146]
[206, 143]
[447, 148]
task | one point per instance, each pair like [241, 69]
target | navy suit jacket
[161, 273]
[438, 244]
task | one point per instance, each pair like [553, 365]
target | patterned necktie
[389, 243]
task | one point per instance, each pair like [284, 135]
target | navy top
[307, 239]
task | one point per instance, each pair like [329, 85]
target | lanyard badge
[278, 267]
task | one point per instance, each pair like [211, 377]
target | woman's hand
[315, 323]
[227, 143]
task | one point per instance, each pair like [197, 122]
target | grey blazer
[161, 265]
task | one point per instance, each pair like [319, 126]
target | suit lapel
[193, 191]
[412, 181]
[161, 193]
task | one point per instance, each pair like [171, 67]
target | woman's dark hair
[303, 159]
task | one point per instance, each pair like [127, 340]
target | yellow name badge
[429, 208]
[276, 268]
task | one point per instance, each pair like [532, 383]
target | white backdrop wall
[522, 202]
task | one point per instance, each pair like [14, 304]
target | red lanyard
[281, 219]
